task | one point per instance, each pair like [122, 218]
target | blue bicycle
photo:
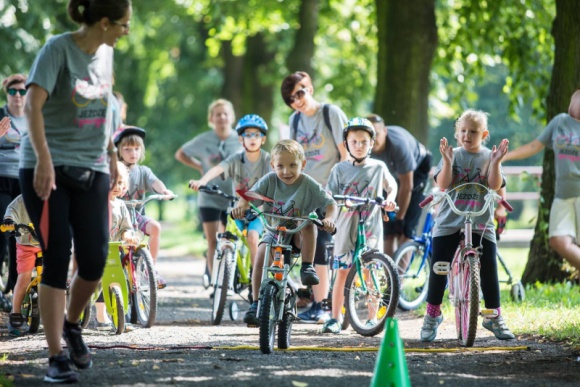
[413, 259]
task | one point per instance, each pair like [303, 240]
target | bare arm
[404, 195]
[525, 151]
[44, 179]
[495, 179]
[210, 175]
[445, 176]
[328, 220]
[343, 152]
[159, 187]
[191, 162]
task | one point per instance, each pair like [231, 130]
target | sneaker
[308, 276]
[17, 325]
[371, 323]
[314, 315]
[161, 283]
[429, 329]
[104, 326]
[331, 326]
[498, 327]
[59, 370]
[77, 349]
[250, 317]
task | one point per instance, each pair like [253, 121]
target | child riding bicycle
[245, 168]
[471, 162]
[26, 249]
[294, 194]
[358, 176]
[131, 151]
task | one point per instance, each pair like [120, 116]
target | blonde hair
[220, 102]
[132, 140]
[123, 172]
[478, 117]
[290, 146]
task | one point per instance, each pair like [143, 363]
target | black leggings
[444, 250]
[72, 214]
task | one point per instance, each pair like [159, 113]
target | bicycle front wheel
[268, 316]
[145, 296]
[467, 299]
[118, 317]
[220, 288]
[372, 295]
[414, 270]
[30, 311]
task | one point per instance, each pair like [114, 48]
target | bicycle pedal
[441, 268]
[489, 313]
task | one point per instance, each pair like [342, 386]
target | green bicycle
[372, 284]
[232, 263]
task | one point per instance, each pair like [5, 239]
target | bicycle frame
[114, 275]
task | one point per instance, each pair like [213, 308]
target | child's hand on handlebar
[328, 225]
[168, 192]
[195, 184]
[389, 205]
[239, 212]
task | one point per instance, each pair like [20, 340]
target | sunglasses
[13, 92]
[296, 96]
[252, 135]
[125, 26]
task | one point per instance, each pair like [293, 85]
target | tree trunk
[233, 76]
[407, 38]
[544, 265]
[300, 57]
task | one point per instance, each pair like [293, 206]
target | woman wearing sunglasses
[13, 126]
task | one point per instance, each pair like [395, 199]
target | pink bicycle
[464, 280]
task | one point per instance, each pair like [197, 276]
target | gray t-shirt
[243, 172]
[467, 168]
[563, 136]
[120, 221]
[10, 145]
[141, 179]
[210, 151]
[402, 153]
[319, 142]
[364, 181]
[76, 114]
[298, 200]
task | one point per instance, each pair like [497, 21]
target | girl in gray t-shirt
[471, 162]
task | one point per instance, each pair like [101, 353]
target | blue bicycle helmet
[127, 131]
[359, 123]
[252, 121]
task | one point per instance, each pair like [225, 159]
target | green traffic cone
[391, 366]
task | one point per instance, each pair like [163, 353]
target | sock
[498, 311]
[433, 310]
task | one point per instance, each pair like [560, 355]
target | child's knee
[153, 228]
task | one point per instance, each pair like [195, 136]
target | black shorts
[208, 214]
[420, 176]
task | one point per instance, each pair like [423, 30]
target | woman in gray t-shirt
[65, 165]
[13, 126]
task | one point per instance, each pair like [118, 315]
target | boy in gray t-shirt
[363, 177]
[294, 194]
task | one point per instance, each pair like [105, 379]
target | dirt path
[174, 351]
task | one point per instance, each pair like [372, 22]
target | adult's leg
[565, 246]
[320, 291]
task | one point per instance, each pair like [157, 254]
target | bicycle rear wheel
[268, 316]
[220, 288]
[467, 299]
[86, 316]
[30, 311]
[413, 274]
[118, 316]
[145, 295]
[374, 297]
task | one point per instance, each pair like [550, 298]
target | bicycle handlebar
[491, 195]
[214, 190]
[14, 227]
[137, 202]
[360, 201]
[304, 222]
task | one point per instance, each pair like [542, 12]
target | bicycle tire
[381, 297]
[415, 277]
[118, 317]
[268, 318]
[30, 310]
[285, 328]
[468, 291]
[345, 321]
[86, 316]
[145, 296]
[220, 288]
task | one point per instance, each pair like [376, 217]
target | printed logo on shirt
[312, 144]
[568, 147]
[82, 95]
